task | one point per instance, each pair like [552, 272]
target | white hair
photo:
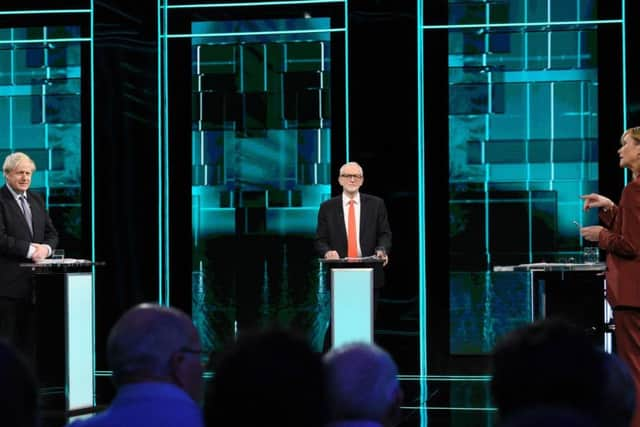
[362, 382]
[13, 160]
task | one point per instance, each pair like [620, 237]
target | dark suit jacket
[15, 237]
[374, 232]
[621, 240]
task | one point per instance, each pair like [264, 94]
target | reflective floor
[439, 402]
[447, 401]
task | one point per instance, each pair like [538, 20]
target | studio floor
[438, 402]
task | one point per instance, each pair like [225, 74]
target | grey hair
[142, 341]
[362, 381]
[351, 164]
[13, 160]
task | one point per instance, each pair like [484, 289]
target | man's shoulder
[335, 200]
[370, 198]
[34, 195]
[5, 194]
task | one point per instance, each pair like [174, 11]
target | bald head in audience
[155, 343]
[362, 381]
[155, 355]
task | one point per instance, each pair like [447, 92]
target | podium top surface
[553, 266]
[64, 265]
[353, 260]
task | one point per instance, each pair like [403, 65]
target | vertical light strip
[43, 103]
[527, 147]
[487, 137]
[159, 41]
[346, 78]
[12, 73]
[165, 168]
[487, 211]
[624, 77]
[584, 142]
[163, 165]
[265, 75]
[552, 136]
[422, 253]
[551, 95]
[93, 184]
[322, 71]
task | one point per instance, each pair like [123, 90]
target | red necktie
[352, 251]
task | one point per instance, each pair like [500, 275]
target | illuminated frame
[164, 35]
[79, 288]
[421, 29]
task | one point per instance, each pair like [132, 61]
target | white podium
[352, 299]
[71, 308]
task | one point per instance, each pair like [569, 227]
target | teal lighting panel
[523, 146]
[261, 159]
[261, 130]
[40, 114]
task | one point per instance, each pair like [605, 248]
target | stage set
[183, 149]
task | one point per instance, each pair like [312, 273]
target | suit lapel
[341, 220]
[363, 216]
[35, 215]
[13, 205]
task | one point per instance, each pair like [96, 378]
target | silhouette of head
[267, 378]
[362, 384]
[155, 343]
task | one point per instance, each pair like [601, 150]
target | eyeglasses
[351, 176]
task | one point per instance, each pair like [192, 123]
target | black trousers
[18, 325]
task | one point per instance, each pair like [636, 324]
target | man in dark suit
[372, 231]
[21, 241]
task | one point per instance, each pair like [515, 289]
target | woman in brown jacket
[620, 238]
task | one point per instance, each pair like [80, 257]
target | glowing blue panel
[291, 220]
[251, 31]
[261, 163]
[261, 166]
[351, 305]
[212, 221]
[80, 347]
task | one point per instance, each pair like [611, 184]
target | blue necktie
[26, 210]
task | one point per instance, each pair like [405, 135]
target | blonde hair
[633, 132]
[13, 160]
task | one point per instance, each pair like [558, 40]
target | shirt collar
[345, 199]
[14, 194]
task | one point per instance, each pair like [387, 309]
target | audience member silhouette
[268, 378]
[19, 389]
[154, 353]
[552, 364]
[619, 400]
[363, 387]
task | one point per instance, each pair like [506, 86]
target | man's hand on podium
[331, 255]
[381, 254]
[40, 253]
